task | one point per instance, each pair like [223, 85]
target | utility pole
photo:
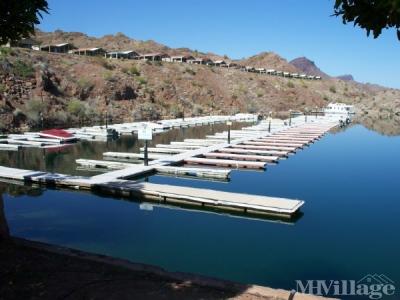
[269, 121]
[146, 155]
[305, 115]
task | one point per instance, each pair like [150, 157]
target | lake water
[349, 227]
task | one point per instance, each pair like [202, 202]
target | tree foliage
[371, 15]
[19, 17]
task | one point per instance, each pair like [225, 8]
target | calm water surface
[349, 180]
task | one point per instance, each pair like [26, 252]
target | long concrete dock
[163, 193]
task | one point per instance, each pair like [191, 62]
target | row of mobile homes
[130, 54]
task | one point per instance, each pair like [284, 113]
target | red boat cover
[60, 133]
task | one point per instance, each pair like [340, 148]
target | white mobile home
[128, 54]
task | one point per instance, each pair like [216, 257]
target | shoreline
[159, 282]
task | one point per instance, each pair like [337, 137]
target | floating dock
[251, 148]
[163, 193]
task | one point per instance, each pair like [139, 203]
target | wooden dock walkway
[280, 207]
[166, 170]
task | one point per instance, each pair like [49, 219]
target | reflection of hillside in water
[380, 124]
[19, 189]
[62, 160]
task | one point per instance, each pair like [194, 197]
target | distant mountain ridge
[346, 77]
[307, 66]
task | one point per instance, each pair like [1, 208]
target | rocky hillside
[63, 89]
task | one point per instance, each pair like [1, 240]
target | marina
[81, 220]
[167, 150]
[169, 158]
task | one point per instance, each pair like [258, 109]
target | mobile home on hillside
[88, 51]
[200, 61]
[58, 48]
[220, 63]
[181, 58]
[155, 57]
[27, 43]
[128, 54]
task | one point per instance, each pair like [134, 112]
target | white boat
[339, 108]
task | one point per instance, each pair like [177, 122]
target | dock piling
[146, 154]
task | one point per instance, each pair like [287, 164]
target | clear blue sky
[291, 28]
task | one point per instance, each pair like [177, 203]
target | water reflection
[381, 124]
[62, 159]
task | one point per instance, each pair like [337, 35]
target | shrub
[76, 108]
[33, 108]
[109, 76]
[190, 71]
[2, 88]
[252, 108]
[84, 83]
[3, 125]
[17, 112]
[146, 111]
[176, 111]
[6, 51]
[290, 84]
[61, 117]
[197, 110]
[332, 89]
[22, 69]
[133, 70]
[234, 110]
[142, 80]
[103, 62]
